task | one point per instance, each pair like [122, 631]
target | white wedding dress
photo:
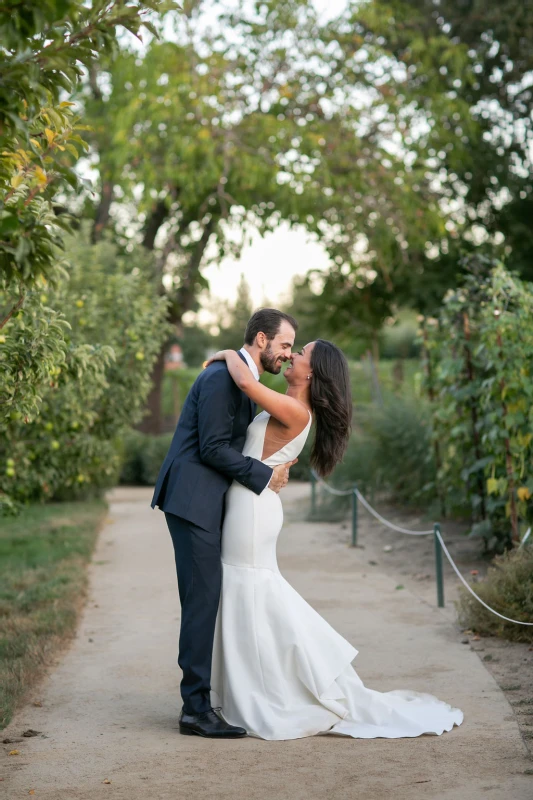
[280, 670]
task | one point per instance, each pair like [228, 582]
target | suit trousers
[199, 570]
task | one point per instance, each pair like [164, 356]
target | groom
[204, 457]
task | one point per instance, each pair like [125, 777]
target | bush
[142, 456]
[508, 589]
[174, 390]
[391, 449]
[403, 459]
[116, 324]
[400, 341]
[47, 47]
[359, 463]
[478, 373]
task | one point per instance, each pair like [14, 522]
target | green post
[313, 495]
[438, 566]
[354, 518]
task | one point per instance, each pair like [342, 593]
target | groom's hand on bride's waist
[280, 477]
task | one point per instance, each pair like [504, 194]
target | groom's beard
[270, 362]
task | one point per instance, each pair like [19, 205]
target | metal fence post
[313, 494]
[354, 517]
[438, 566]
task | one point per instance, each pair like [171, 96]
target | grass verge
[43, 582]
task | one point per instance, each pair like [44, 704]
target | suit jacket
[205, 454]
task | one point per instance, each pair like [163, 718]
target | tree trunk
[187, 291]
[151, 422]
[480, 480]
[102, 212]
[154, 222]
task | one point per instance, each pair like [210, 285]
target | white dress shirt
[251, 363]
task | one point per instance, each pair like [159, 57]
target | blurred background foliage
[142, 143]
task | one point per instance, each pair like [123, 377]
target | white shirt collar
[251, 363]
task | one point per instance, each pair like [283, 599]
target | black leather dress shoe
[210, 725]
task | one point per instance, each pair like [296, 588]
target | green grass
[43, 558]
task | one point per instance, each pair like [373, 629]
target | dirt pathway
[110, 707]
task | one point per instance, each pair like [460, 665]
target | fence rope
[450, 559]
[394, 527]
[331, 489]
[340, 493]
[386, 521]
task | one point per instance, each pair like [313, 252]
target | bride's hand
[220, 356]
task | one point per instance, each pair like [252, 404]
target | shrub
[47, 47]
[478, 359]
[404, 463]
[507, 588]
[175, 387]
[359, 463]
[391, 448]
[142, 456]
[116, 324]
[400, 340]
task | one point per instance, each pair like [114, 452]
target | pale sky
[269, 265]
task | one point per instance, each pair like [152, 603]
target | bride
[279, 669]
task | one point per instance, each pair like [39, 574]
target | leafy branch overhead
[267, 116]
[46, 48]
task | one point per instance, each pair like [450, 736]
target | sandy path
[111, 705]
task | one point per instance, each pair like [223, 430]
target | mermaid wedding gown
[280, 670]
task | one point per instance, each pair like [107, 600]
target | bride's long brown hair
[331, 402]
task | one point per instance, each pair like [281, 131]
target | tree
[114, 325]
[205, 137]
[456, 106]
[45, 48]
[195, 341]
[463, 71]
[234, 317]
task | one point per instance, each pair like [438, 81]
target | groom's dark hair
[268, 321]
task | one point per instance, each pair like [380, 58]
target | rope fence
[440, 546]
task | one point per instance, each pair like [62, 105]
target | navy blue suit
[204, 457]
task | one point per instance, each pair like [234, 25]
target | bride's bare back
[277, 436]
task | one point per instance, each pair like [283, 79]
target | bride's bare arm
[285, 409]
